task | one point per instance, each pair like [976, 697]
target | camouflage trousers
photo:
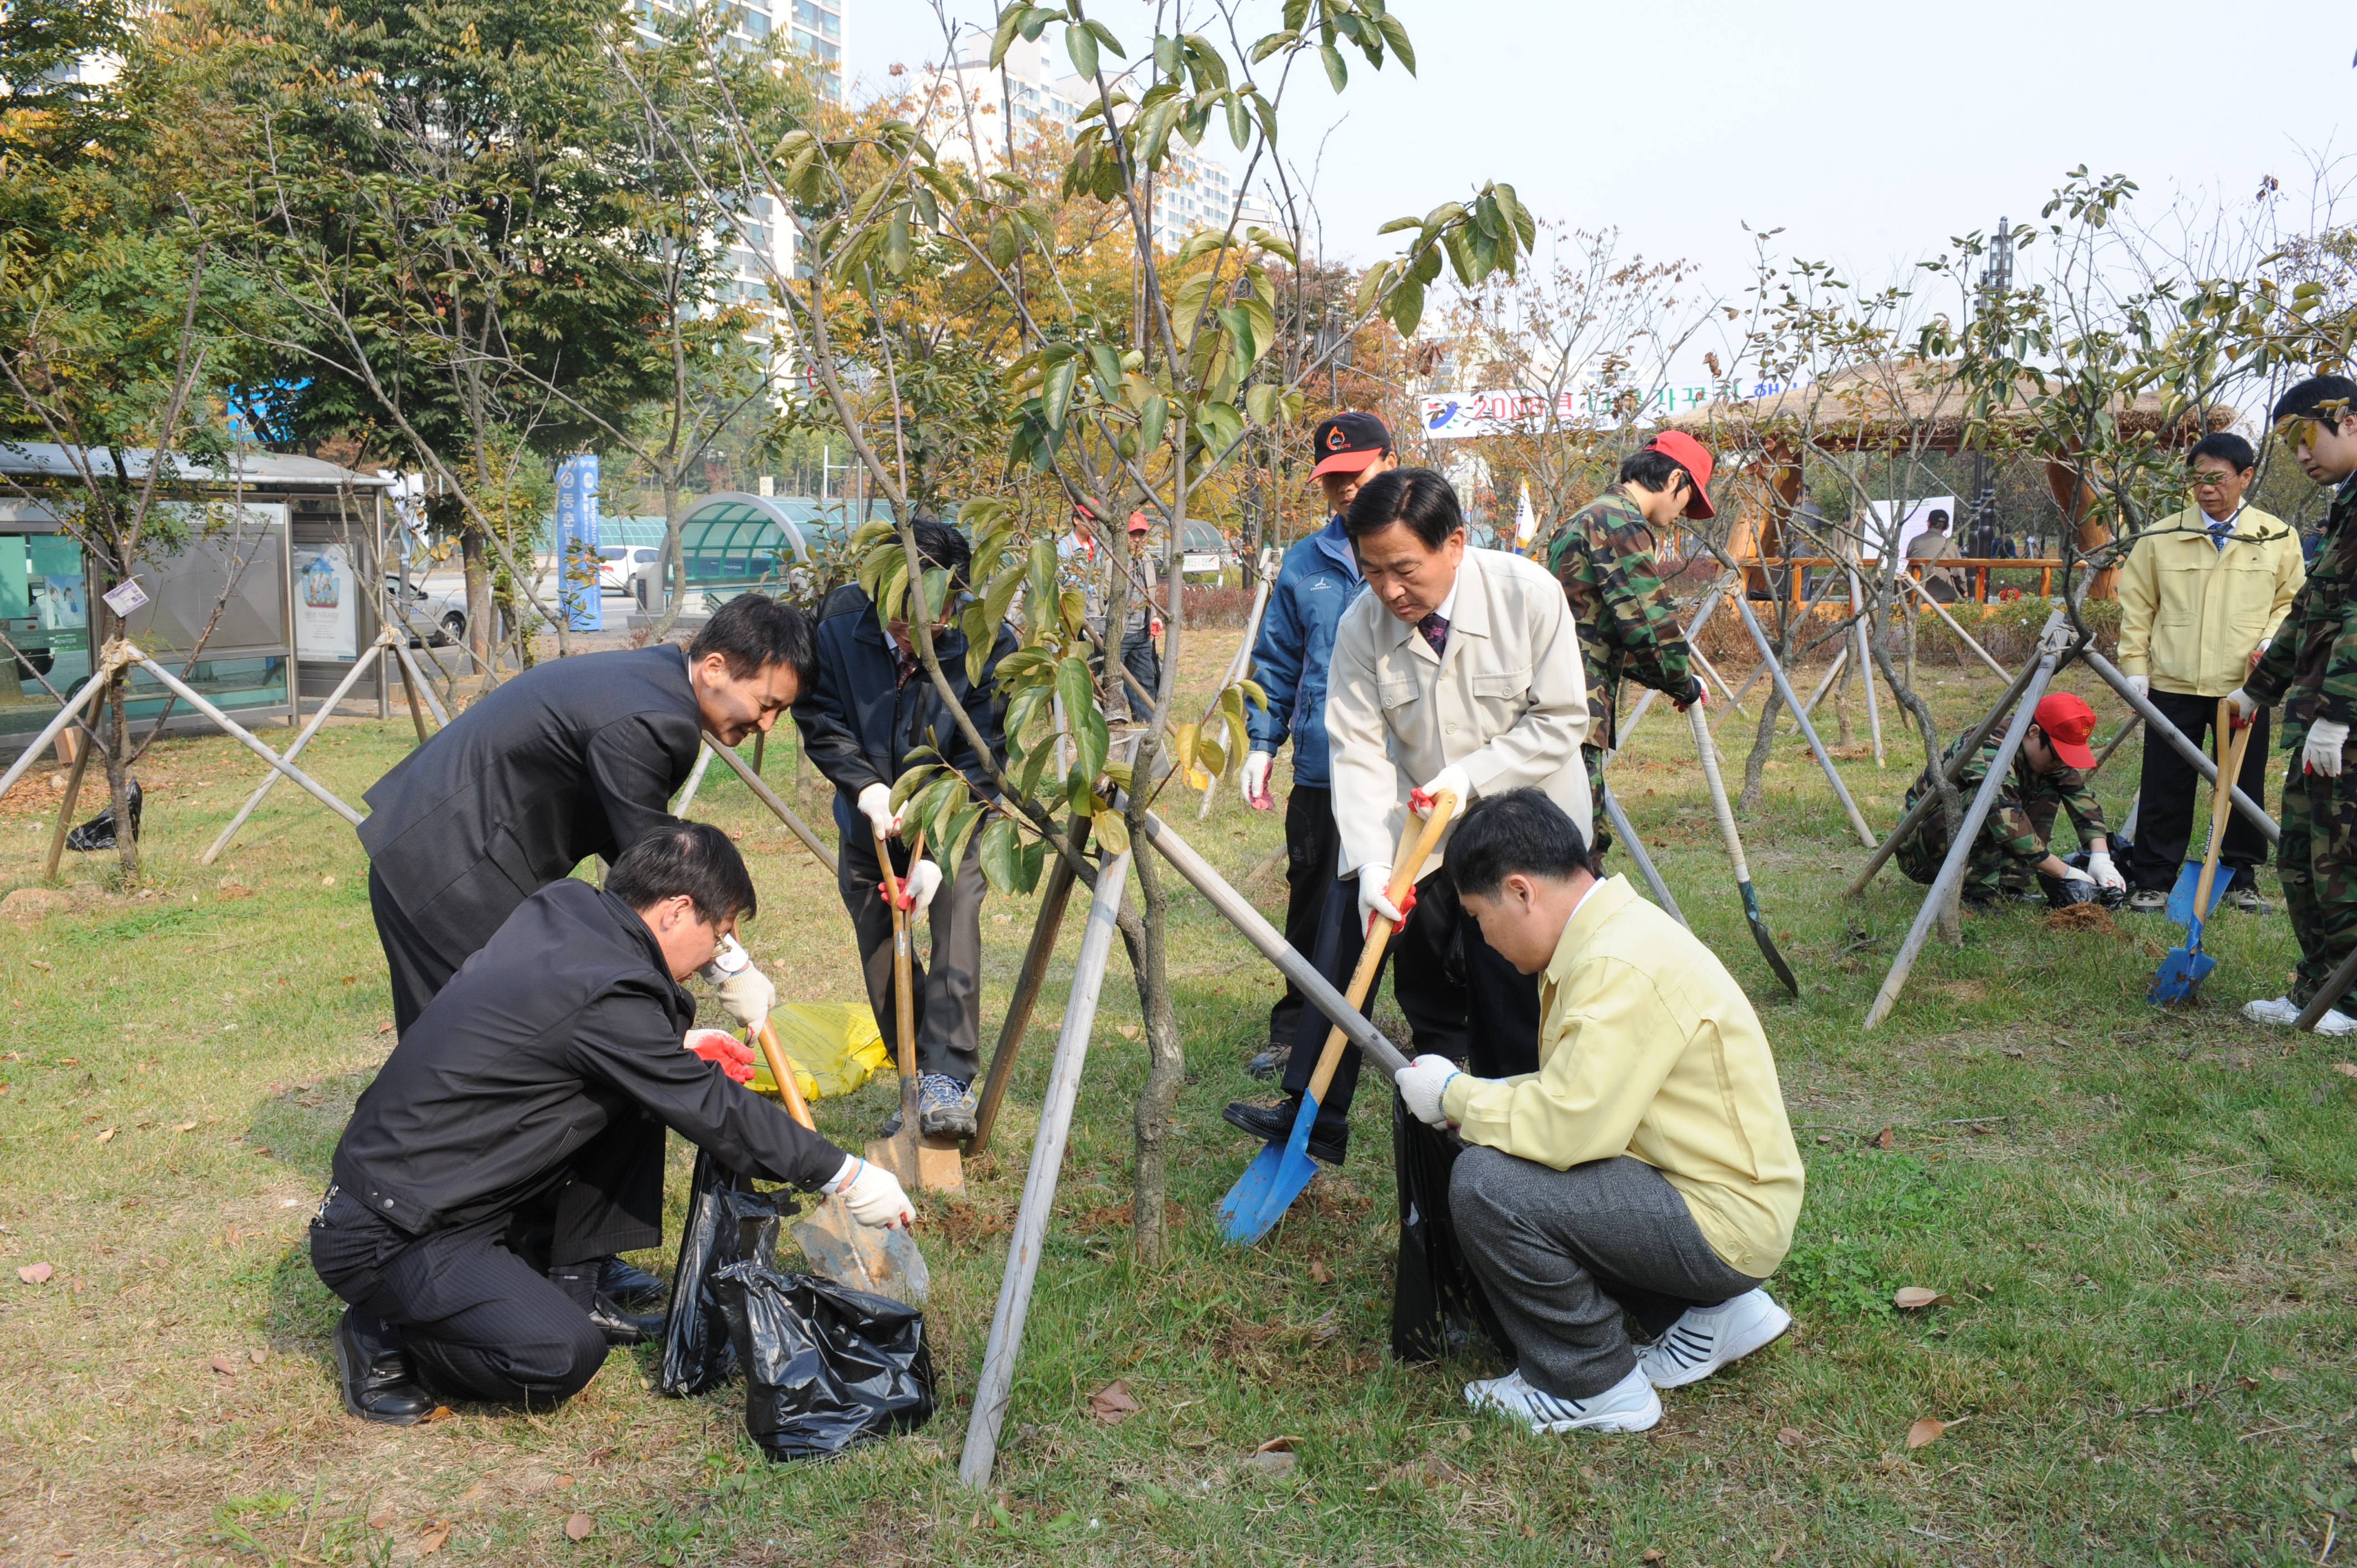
[1599, 836]
[1988, 869]
[2316, 858]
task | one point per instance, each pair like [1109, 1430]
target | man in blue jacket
[864, 720]
[1318, 579]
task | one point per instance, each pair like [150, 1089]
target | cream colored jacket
[1648, 1047]
[1508, 704]
[2190, 614]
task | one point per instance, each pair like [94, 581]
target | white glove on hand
[2243, 705]
[743, 990]
[1374, 898]
[2143, 684]
[2325, 740]
[2107, 875]
[2072, 873]
[1423, 1084]
[1450, 778]
[1256, 767]
[872, 1194]
[876, 805]
[924, 881]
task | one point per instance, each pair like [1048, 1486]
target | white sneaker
[2285, 1013]
[1707, 1338]
[1629, 1405]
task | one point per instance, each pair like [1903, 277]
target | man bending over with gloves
[1646, 1168]
[515, 1137]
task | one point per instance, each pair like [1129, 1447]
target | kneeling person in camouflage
[2011, 854]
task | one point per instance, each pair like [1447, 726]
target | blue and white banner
[576, 543]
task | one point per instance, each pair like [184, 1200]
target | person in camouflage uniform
[2311, 668]
[1604, 557]
[2011, 854]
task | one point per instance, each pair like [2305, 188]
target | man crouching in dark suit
[515, 1137]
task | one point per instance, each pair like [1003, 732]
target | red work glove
[1701, 699]
[723, 1050]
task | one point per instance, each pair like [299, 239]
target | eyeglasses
[2211, 479]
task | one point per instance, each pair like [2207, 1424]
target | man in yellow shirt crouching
[1646, 1168]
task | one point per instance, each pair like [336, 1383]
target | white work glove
[872, 1194]
[1374, 898]
[2072, 873]
[1256, 767]
[1450, 778]
[924, 880]
[876, 805]
[2325, 739]
[2243, 706]
[1423, 1083]
[2143, 684]
[743, 990]
[2107, 875]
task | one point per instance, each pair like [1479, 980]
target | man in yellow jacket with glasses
[2199, 596]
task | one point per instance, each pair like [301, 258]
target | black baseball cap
[1347, 442]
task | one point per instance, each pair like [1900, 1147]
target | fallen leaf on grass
[1114, 1404]
[1915, 1298]
[257, 1357]
[184, 1127]
[1274, 1457]
[2346, 1069]
[381, 1519]
[229, 890]
[2282, 1374]
[439, 1413]
[437, 1536]
[225, 1366]
[1884, 1139]
[107, 1137]
[1651, 1554]
[1790, 1436]
[36, 1273]
[1323, 1326]
[1127, 1031]
[1319, 1275]
[1926, 1431]
[384, 1028]
[578, 1527]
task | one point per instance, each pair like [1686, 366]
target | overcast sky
[1868, 130]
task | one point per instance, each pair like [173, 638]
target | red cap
[1139, 522]
[1347, 442]
[1689, 456]
[2066, 723]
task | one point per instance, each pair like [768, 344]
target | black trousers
[1313, 846]
[1462, 998]
[419, 969]
[2170, 789]
[947, 990]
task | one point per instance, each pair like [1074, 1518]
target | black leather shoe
[1329, 1138]
[630, 1287]
[1272, 1062]
[377, 1382]
[624, 1327]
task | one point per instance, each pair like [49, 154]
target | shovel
[931, 1165]
[1277, 1174]
[2190, 876]
[1718, 806]
[2183, 968]
[885, 1263]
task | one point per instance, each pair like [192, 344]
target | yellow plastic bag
[832, 1046]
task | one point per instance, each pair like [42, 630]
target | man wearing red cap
[2049, 774]
[1604, 557]
[1141, 624]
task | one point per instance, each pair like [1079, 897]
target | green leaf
[1153, 419]
[1165, 55]
[1396, 34]
[1113, 832]
[1271, 44]
[1034, 856]
[1001, 849]
[1105, 37]
[1106, 364]
[1081, 45]
[1337, 72]
[948, 849]
[1003, 38]
[1264, 405]
[1056, 393]
[1405, 306]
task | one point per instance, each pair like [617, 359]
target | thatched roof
[1897, 404]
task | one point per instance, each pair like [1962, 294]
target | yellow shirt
[2190, 612]
[1648, 1047]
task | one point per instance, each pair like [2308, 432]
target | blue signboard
[577, 594]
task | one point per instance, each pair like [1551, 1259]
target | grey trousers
[1565, 1254]
[948, 990]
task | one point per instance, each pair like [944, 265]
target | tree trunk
[118, 777]
[1165, 1073]
[474, 551]
[671, 569]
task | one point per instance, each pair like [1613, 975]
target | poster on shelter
[327, 605]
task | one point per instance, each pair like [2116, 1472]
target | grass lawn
[2143, 1221]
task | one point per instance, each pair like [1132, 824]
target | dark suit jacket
[574, 757]
[860, 724]
[563, 1024]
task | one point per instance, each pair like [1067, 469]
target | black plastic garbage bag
[99, 832]
[1437, 1305]
[826, 1366]
[2110, 897]
[727, 1222]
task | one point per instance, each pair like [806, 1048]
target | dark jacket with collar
[861, 724]
[1319, 580]
[564, 1024]
[571, 759]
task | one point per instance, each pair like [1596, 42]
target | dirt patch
[2083, 917]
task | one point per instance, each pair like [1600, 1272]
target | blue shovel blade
[1270, 1184]
[2181, 975]
[2189, 883]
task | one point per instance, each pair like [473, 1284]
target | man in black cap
[1317, 581]
[515, 1137]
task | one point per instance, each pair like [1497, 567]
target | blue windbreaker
[1316, 581]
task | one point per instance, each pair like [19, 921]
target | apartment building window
[819, 20]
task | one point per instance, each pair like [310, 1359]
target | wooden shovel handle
[1410, 858]
[2230, 766]
[783, 1071]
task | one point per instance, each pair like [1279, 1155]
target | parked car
[437, 619]
[619, 564]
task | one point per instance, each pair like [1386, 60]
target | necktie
[1435, 632]
[2219, 530]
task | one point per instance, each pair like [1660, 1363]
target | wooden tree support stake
[2157, 723]
[243, 737]
[768, 797]
[694, 780]
[1619, 821]
[270, 778]
[1800, 717]
[66, 807]
[1027, 985]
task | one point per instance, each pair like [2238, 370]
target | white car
[619, 564]
[438, 619]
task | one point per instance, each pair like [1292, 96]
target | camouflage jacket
[1603, 557]
[2311, 665]
[2020, 823]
